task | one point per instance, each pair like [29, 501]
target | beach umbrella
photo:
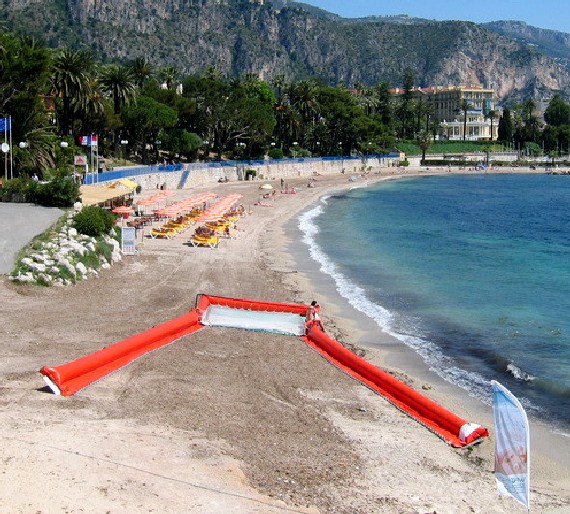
[124, 211]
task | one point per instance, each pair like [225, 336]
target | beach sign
[512, 445]
[128, 241]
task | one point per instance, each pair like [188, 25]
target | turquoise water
[472, 272]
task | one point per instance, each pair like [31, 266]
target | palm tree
[465, 107]
[424, 142]
[119, 83]
[70, 81]
[167, 75]
[492, 115]
[278, 83]
[141, 70]
[304, 99]
[39, 154]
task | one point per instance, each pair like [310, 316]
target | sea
[472, 272]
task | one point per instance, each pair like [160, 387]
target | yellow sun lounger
[209, 241]
[162, 233]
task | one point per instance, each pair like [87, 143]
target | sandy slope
[223, 420]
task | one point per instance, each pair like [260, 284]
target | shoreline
[389, 353]
[227, 420]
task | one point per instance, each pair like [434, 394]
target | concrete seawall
[194, 175]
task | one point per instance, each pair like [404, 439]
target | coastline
[389, 353]
[227, 420]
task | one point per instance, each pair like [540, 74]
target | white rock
[38, 267]
[26, 261]
[90, 246]
[61, 254]
[54, 270]
[80, 267]
[25, 277]
[72, 232]
[116, 256]
[105, 265]
[77, 206]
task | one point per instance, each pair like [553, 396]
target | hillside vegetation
[237, 37]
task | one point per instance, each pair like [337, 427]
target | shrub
[275, 153]
[61, 191]
[14, 189]
[93, 221]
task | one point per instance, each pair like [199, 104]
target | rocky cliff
[243, 36]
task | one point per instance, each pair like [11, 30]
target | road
[19, 224]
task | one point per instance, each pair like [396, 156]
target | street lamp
[124, 144]
[23, 144]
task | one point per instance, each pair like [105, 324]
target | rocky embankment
[62, 256]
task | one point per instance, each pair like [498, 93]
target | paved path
[19, 224]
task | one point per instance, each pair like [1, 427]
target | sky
[547, 14]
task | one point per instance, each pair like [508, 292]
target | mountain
[549, 42]
[299, 41]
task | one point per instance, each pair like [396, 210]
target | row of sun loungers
[205, 236]
[173, 227]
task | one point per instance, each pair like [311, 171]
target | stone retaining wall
[269, 170]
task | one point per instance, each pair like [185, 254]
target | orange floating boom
[453, 429]
[69, 378]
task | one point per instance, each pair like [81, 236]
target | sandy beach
[226, 420]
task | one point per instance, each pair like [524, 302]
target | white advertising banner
[512, 445]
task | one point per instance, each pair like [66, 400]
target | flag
[512, 445]
[5, 125]
[87, 140]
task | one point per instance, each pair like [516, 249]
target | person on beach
[313, 316]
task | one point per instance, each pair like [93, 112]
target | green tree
[424, 142]
[405, 108]
[384, 110]
[24, 78]
[180, 141]
[558, 112]
[119, 83]
[506, 127]
[71, 82]
[344, 120]
[144, 120]
[141, 70]
[168, 75]
[492, 116]
[465, 107]
[303, 98]
[531, 123]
